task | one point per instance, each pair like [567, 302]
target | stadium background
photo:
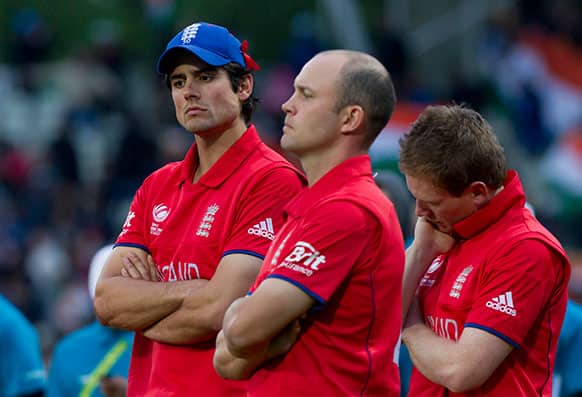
[84, 118]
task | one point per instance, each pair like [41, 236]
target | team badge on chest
[459, 282]
[206, 223]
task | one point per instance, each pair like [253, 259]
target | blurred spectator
[393, 186]
[32, 39]
[21, 367]
[567, 379]
[101, 369]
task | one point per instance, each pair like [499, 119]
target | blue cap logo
[213, 44]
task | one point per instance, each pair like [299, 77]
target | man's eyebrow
[303, 88]
[206, 69]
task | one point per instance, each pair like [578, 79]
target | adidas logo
[503, 303]
[263, 229]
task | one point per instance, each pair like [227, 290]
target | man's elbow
[238, 338]
[101, 312]
[103, 308]
[463, 380]
[229, 370]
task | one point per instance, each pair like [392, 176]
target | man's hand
[283, 342]
[134, 267]
[231, 366]
[429, 240]
[113, 386]
[428, 243]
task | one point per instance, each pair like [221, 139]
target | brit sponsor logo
[303, 259]
[190, 33]
[263, 229]
[127, 223]
[206, 223]
[459, 282]
[503, 303]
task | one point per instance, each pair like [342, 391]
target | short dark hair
[365, 82]
[453, 146]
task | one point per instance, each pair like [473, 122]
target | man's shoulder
[269, 158]
[266, 162]
[362, 194]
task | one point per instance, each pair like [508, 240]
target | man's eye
[178, 83]
[206, 77]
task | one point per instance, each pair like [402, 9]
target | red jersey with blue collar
[236, 207]
[507, 275]
[342, 245]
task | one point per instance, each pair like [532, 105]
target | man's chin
[440, 227]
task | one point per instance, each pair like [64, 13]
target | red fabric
[341, 245]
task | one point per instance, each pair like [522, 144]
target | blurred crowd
[79, 134]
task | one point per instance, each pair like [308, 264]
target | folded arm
[242, 346]
[460, 365]
[136, 303]
[200, 314]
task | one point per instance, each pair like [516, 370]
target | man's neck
[212, 146]
[316, 165]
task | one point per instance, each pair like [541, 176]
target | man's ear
[353, 118]
[245, 88]
[480, 192]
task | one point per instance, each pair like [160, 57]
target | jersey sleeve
[513, 291]
[260, 213]
[133, 229]
[325, 249]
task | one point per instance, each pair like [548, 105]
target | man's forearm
[416, 264]
[232, 367]
[131, 304]
[429, 352]
[459, 365]
[194, 321]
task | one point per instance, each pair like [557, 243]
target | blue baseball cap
[213, 44]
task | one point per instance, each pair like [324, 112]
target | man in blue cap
[197, 230]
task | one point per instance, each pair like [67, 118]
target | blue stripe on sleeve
[245, 252]
[132, 245]
[320, 301]
[496, 333]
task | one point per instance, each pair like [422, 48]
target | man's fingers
[154, 272]
[130, 268]
[141, 266]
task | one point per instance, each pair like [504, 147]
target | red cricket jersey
[342, 245]
[236, 207]
[507, 276]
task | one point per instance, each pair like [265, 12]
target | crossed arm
[129, 296]
[242, 346]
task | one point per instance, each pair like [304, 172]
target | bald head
[365, 82]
